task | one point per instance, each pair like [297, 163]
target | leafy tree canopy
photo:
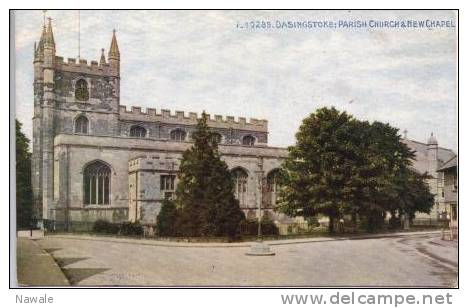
[340, 165]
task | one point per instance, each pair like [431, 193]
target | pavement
[31, 234]
[36, 267]
[418, 259]
[187, 243]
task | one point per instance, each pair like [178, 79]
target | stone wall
[136, 166]
[158, 130]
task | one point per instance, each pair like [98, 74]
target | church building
[93, 158]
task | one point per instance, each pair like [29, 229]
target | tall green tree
[340, 165]
[319, 166]
[382, 160]
[411, 194]
[23, 179]
[205, 191]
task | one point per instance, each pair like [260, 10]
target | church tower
[70, 98]
[43, 121]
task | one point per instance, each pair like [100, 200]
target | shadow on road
[75, 275]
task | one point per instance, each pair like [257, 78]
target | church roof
[421, 161]
[451, 163]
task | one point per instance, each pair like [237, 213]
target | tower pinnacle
[114, 48]
[103, 57]
[49, 35]
[114, 55]
[39, 54]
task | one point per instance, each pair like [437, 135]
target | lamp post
[259, 195]
[259, 248]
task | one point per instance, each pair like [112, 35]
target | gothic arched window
[138, 131]
[217, 137]
[248, 140]
[81, 125]
[272, 187]
[240, 177]
[178, 135]
[81, 90]
[96, 184]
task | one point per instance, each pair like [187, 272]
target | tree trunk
[331, 224]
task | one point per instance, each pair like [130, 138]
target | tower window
[178, 135]
[138, 131]
[81, 125]
[248, 140]
[81, 90]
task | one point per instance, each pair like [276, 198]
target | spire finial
[432, 140]
[79, 36]
[44, 16]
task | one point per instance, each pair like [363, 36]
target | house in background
[450, 192]
[429, 159]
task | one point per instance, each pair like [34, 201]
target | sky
[201, 60]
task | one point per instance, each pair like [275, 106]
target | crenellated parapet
[82, 66]
[190, 118]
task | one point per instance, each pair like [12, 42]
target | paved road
[411, 260]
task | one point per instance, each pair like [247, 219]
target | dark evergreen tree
[205, 192]
[23, 179]
[167, 219]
